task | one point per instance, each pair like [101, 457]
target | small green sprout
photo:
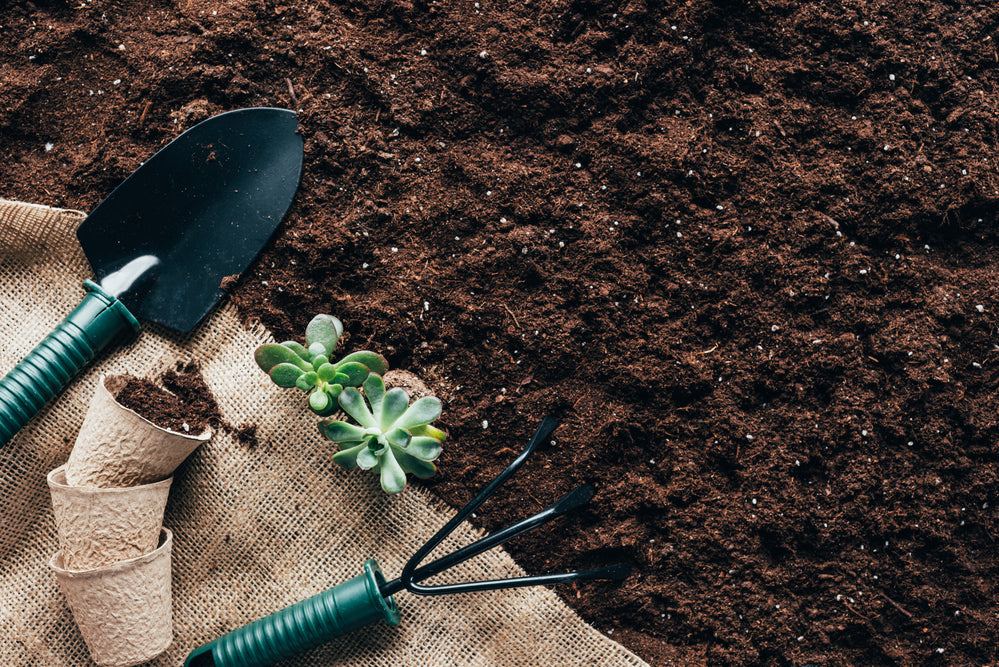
[392, 437]
[309, 368]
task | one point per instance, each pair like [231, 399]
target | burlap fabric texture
[254, 529]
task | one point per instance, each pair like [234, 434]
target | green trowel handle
[97, 321]
[302, 626]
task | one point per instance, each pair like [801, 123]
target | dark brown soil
[179, 400]
[246, 435]
[745, 251]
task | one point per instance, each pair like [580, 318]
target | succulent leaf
[326, 372]
[394, 404]
[271, 354]
[392, 475]
[409, 463]
[375, 362]
[297, 348]
[347, 458]
[423, 411]
[424, 448]
[367, 459]
[341, 432]
[374, 390]
[356, 373]
[398, 437]
[341, 378]
[319, 361]
[353, 404]
[319, 401]
[429, 431]
[325, 330]
[303, 382]
[285, 375]
[317, 350]
[330, 409]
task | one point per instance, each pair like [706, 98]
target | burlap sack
[254, 529]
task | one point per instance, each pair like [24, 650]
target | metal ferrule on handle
[302, 626]
[95, 323]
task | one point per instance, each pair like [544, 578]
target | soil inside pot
[179, 400]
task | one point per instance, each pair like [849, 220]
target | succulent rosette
[391, 437]
[308, 367]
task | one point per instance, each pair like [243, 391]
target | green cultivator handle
[96, 322]
[304, 625]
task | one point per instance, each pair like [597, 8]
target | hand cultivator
[368, 597]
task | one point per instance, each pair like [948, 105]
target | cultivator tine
[413, 573]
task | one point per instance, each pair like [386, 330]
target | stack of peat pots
[113, 562]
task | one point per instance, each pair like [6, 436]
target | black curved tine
[616, 572]
[570, 501]
[548, 424]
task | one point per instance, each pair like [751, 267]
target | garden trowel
[160, 245]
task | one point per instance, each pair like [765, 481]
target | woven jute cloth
[255, 529]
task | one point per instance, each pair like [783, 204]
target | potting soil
[179, 400]
[744, 250]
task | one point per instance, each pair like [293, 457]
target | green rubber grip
[95, 323]
[302, 626]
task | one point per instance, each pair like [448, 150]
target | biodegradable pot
[123, 609]
[100, 526]
[116, 447]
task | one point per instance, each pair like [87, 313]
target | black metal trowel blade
[197, 211]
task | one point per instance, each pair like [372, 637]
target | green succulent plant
[391, 437]
[309, 368]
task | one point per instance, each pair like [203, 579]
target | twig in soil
[145, 112]
[709, 351]
[512, 315]
[895, 604]
[831, 221]
[291, 91]
[855, 611]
